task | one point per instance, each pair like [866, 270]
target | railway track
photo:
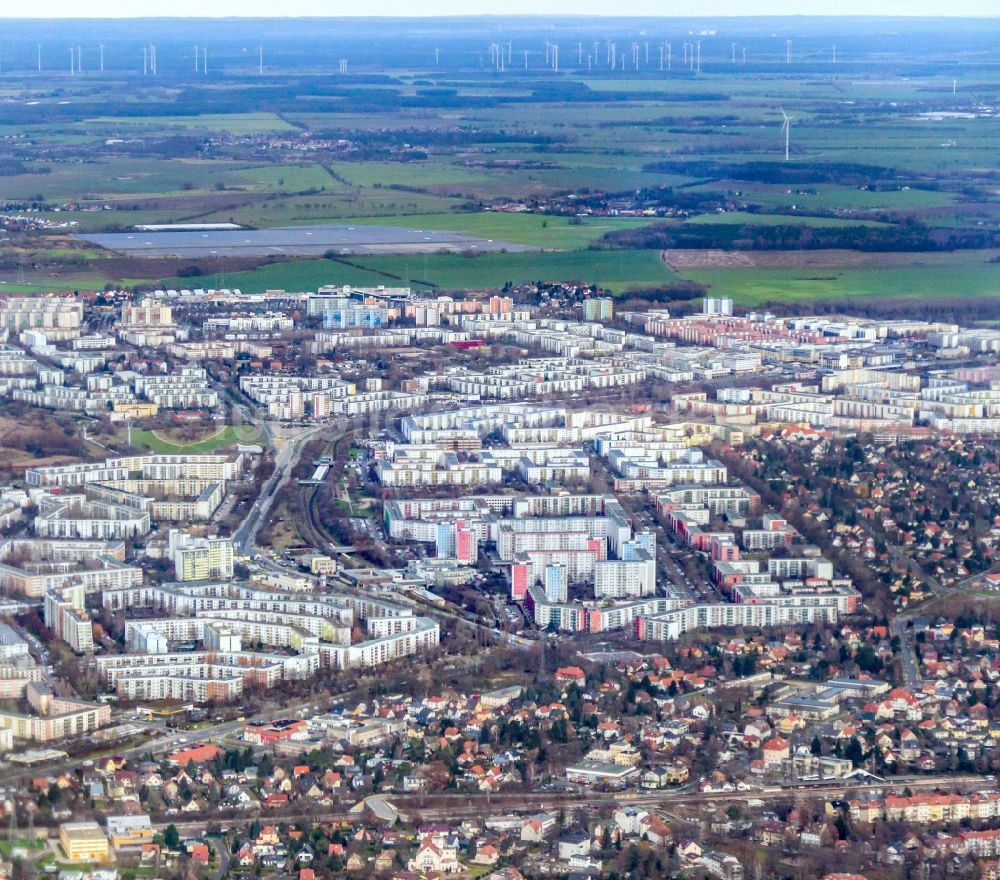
[450, 806]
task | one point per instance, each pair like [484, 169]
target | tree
[854, 752]
[171, 837]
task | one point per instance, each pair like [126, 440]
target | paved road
[287, 458]
[939, 592]
[901, 622]
[908, 652]
[222, 851]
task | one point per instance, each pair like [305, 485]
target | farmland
[617, 271]
[901, 143]
[935, 282]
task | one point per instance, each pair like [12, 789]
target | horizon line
[512, 15]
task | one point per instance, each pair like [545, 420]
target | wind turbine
[786, 127]
[101, 51]
[788, 51]
[39, 46]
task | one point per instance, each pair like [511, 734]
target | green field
[126, 179]
[61, 285]
[744, 217]
[335, 206]
[233, 123]
[222, 437]
[932, 282]
[854, 199]
[450, 148]
[537, 230]
[615, 271]
[406, 174]
[26, 843]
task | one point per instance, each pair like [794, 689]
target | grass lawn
[414, 174]
[285, 178]
[829, 198]
[61, 285]
[108, 181]
[27, 843]
[615, 271]
[335, 205]
[935, 282]
[139, 871]
[738, 217]
[557, 233]
[233, 123]
[223, 437]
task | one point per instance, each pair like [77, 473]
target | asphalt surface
[295, 240]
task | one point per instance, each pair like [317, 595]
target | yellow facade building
[83, 842]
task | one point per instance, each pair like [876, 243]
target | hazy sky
[700, 8]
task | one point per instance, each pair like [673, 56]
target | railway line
[448, 806]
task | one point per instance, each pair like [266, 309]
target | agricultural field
[536, 230]
[754, 286]
[615, 270]
[228, 123]
[897, 142]
[735, 217]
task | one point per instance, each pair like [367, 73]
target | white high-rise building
[321, 405]
[556, 582]
[717, 305]
[200, 559]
